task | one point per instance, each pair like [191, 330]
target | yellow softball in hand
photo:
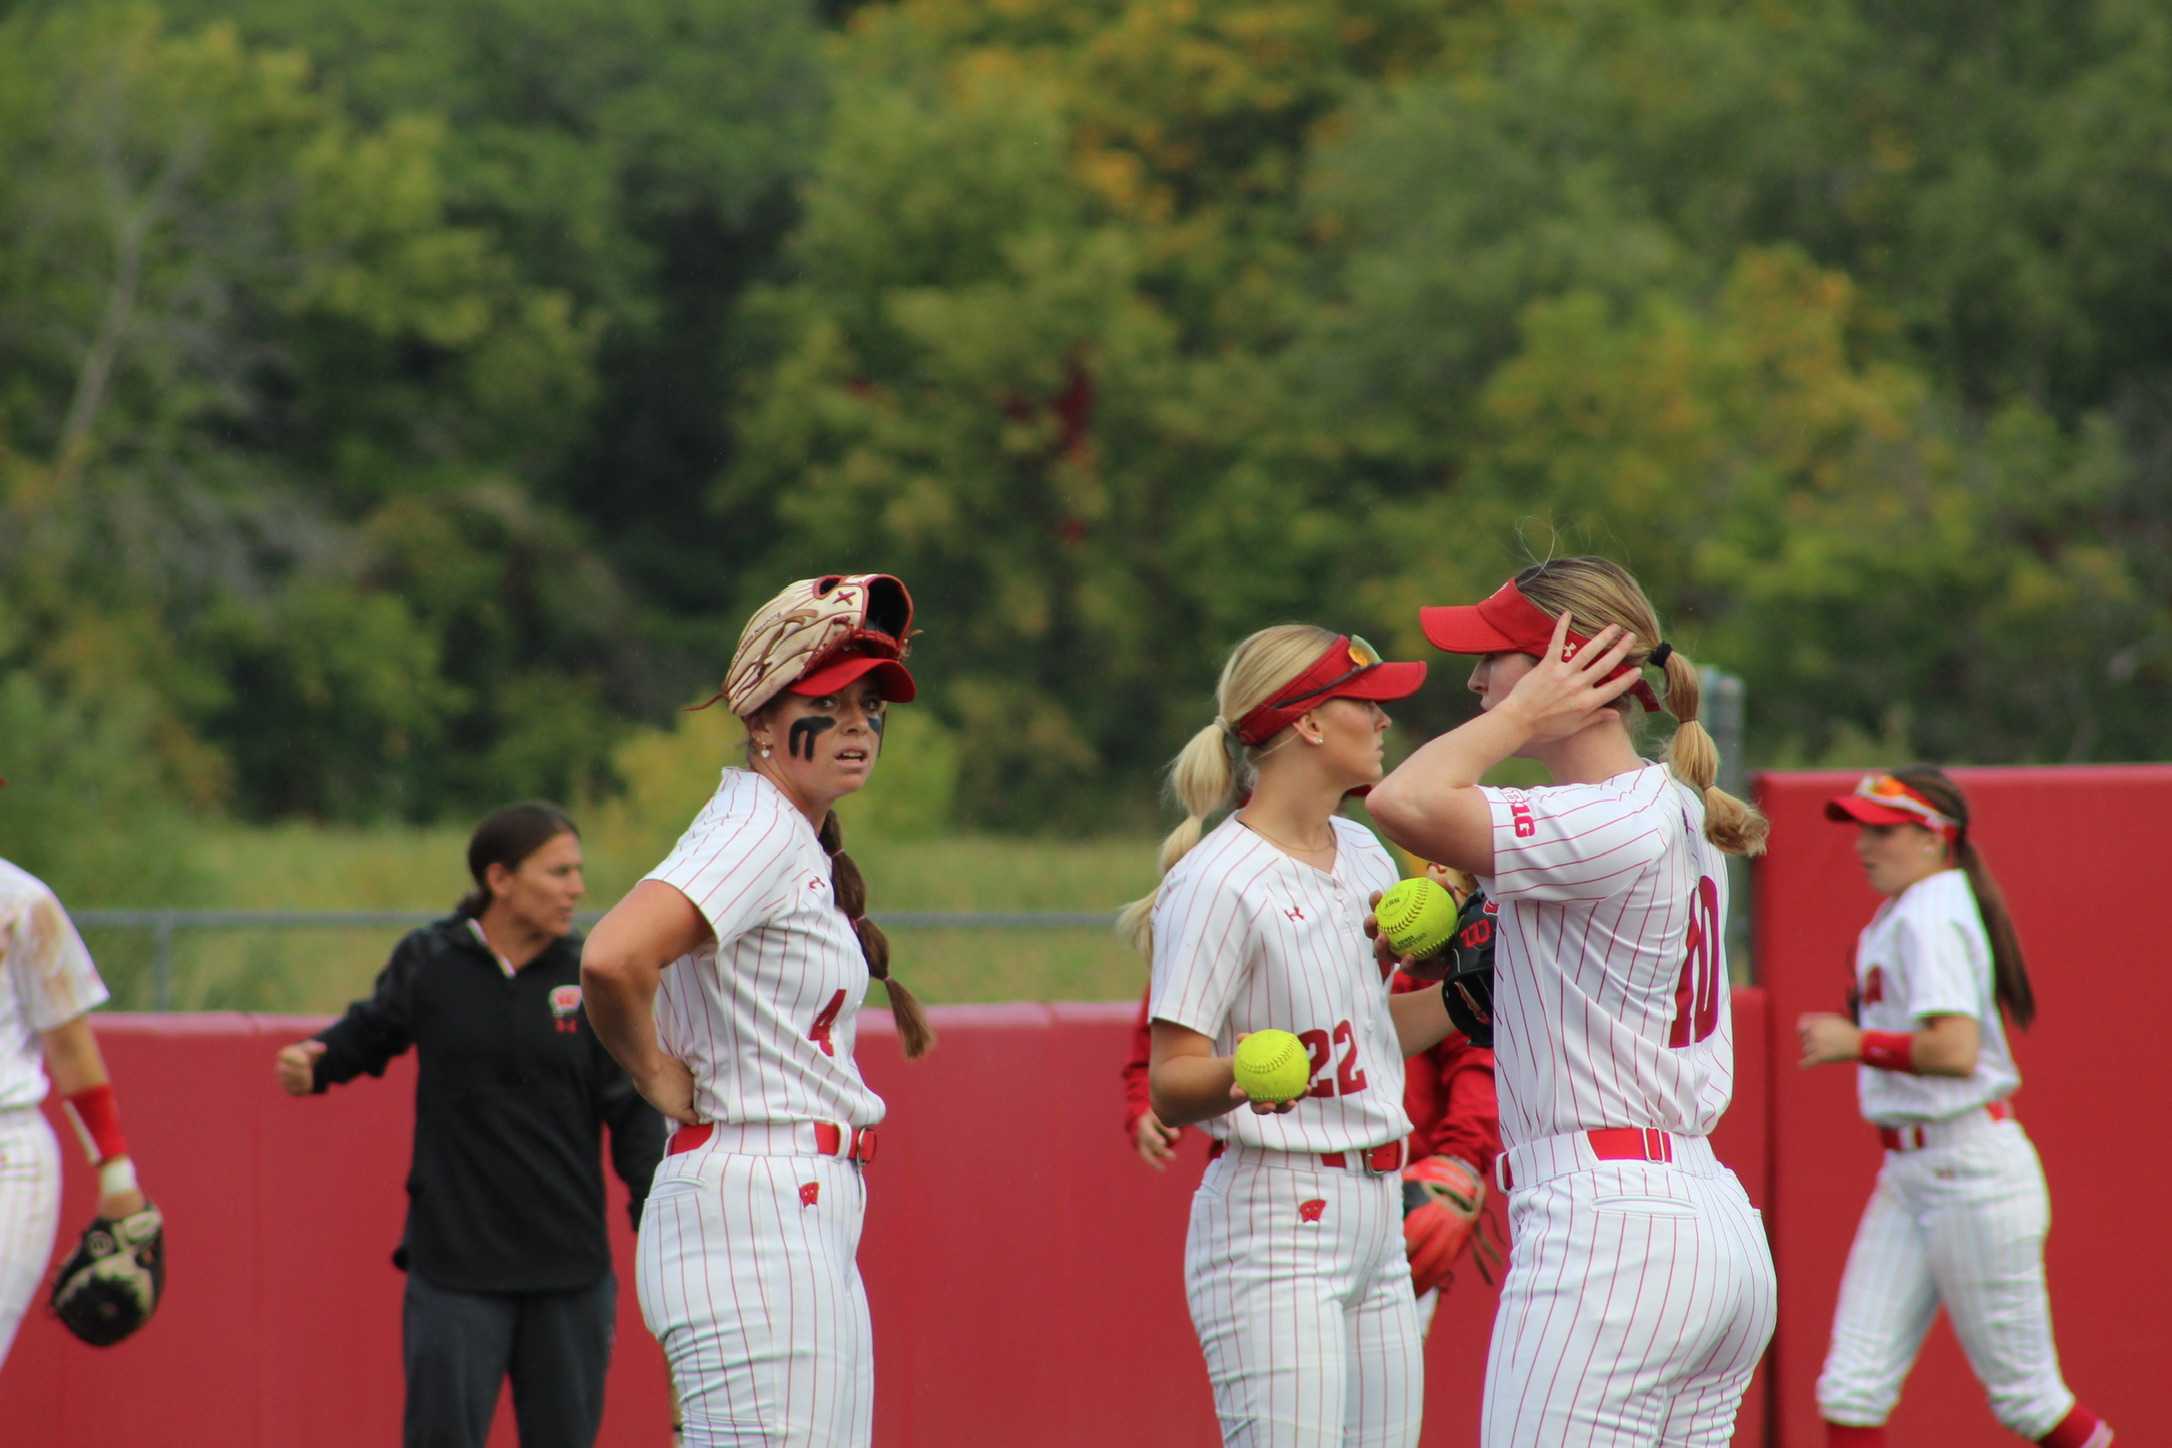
[1273, 1066]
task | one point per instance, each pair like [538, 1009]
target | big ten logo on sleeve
[1519, 814]
[566, 1009]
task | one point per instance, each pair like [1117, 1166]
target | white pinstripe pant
[1960, 1221]
[29, 1213]
[1638, 1300]
[1305, 1314]
[754, 1292]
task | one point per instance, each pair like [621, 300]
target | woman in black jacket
[508, 1265]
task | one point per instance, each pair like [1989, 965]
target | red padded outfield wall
[1025, 1269]
[2082, 854]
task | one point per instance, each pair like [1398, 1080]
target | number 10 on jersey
[1697, 996]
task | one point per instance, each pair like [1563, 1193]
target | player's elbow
[1393, 807]
[606, 968]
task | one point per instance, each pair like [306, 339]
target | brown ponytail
[849, 887]
[2009, 971]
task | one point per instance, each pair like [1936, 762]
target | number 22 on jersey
[1696, 997]
[1349, 1077]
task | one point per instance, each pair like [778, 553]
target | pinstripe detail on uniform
[29, 1212]
[46, 980]
[739, 1011]
[746, 1255]
[1247, 938]
[755, 1295]
[1298, 1284]
[1308, 1326]
[1960, 1220]
[1925, 954]
[1640, 1295]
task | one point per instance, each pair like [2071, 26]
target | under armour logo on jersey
[1310, 1211]
[1874, 985]
[809, 1193]
[1295, 913]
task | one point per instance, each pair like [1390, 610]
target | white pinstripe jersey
[46, 980]
[1247, 938]
[767, 1013]
[1610, 962]
[1925, 954]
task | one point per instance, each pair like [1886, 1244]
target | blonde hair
[1596, 592]
[1210, 770]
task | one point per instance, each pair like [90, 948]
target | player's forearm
[1430, 804]
[72, 1058]
[619, 998]
[1185, 1090]
[1421, 1020]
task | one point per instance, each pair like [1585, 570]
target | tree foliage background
[401, 405]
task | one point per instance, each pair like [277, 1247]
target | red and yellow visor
[1881, 799]
[1349, 668]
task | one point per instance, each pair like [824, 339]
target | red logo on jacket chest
[1874, 985]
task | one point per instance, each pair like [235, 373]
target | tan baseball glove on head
[811, 622]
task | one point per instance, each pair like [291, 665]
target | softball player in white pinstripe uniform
[48, 987]
[1640, 1293]
[729, 985]
[1961, 1210]
[1294, 1263]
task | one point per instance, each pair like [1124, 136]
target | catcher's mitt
[111, 1283]
[1444, 1203]
[1467, 986]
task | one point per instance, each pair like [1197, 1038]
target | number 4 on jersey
[1697, 997]
[819, 1032]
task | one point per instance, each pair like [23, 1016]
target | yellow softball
[1417, 916]
[1273, 1066]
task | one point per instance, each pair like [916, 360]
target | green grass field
[318, 969]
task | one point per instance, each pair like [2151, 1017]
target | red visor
[1880, 799]
[1350, 669]
[890, 676]
[1509, 623]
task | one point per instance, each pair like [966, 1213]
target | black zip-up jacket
[505, 1193]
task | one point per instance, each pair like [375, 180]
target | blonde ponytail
[1204, 781]
[1734, 825]
[1596, 592]
[1209, 772]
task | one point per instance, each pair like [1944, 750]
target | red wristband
[1889, 1050]
[97, 1118]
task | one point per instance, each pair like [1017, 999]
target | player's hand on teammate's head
[296, 1066]
[1155, 1142]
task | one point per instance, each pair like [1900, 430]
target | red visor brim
[1396, 680]
[1856, 810]
[1459, 629]
[890, 676]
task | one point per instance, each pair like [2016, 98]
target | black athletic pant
[461, 1346]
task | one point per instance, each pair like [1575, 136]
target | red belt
[1910, 1138]
[829, 1140]
[1614, 1143]
[1390, 1157]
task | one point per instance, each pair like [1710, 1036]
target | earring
[765, 751]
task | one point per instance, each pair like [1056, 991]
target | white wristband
[116, 1176]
